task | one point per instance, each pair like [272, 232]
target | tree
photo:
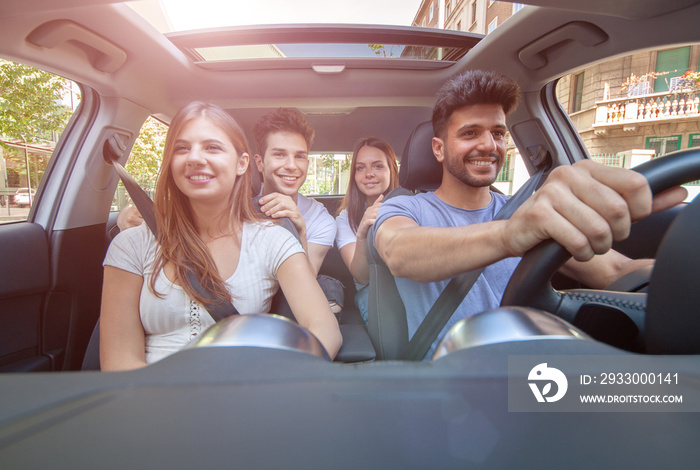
[31, 112]
[381, 51]
[147, 153]
[31, 106]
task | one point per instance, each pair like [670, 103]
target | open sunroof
[283, 44]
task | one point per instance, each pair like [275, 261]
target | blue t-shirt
[428, 210]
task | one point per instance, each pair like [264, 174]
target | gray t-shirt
[428, 210]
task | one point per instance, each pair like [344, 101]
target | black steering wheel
[530, 284]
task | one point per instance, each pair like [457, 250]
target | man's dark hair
[282, 120]
[473, 87]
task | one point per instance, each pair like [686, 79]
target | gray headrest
[419, 168]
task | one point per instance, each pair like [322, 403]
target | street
[13, 214]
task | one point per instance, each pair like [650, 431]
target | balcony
[681, 104]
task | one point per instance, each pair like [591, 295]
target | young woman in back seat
[373, 173]
[206, 221]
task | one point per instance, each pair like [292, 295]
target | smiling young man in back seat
[283, 139]
[428, 238]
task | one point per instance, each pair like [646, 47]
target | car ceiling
[157, 76]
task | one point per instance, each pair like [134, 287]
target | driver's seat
[386, 323]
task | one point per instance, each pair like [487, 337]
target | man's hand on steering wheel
[529, 286]
[585, 207]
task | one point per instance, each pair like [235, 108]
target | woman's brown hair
[179, 242]
[354, 201]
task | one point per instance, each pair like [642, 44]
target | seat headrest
[419, 168]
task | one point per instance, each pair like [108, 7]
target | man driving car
[429, 238]
[283, 139]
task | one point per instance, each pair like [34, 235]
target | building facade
[643, 101]
[627, 110]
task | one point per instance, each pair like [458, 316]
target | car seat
[356, 347]
[387, 325]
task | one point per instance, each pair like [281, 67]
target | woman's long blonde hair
[179, 242]
[354, 200]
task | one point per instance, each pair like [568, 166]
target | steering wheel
[530, 284]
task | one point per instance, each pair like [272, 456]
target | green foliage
[32, 112]
[147, 153]
[30, 103]
[381, 51]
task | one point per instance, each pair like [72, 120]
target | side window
[144, 161]
[492, 26]
[694, 140]
[670, 64]
[634, 108]
[35, 109]
[664, 145]
[577, 93]
[506, 173]
[514, 173]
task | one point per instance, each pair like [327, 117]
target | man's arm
[602, 270]
[585, 207]
[428, 254]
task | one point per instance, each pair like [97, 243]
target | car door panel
[74, 306]
[24, 282]
[50, 300]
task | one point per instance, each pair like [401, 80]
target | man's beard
[457, 168]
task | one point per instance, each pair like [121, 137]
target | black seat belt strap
[459, 286]
[216, 308]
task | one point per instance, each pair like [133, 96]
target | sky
[197, 14]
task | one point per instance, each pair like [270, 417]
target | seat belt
[217, 308]
[460, 285]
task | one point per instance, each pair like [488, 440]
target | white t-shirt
[345, 234]
[320, 225]
[174, 320]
